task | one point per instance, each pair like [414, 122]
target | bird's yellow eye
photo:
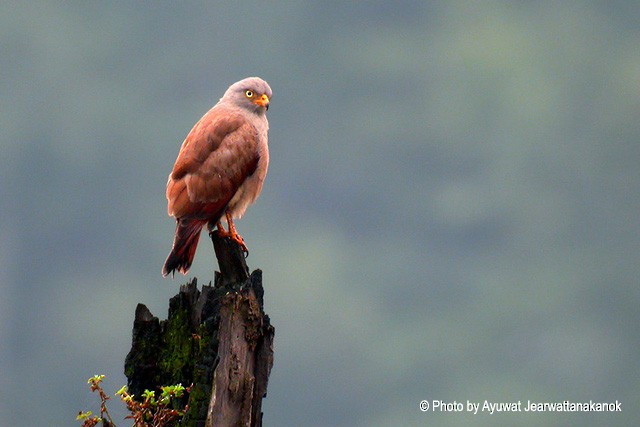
[248, 94]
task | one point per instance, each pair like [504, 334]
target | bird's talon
[240, 241]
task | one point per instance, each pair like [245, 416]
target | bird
[220, 170]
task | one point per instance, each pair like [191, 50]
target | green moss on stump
[179, 350]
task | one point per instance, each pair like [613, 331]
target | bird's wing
[219, 153]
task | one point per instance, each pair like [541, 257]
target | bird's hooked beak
[263, 101]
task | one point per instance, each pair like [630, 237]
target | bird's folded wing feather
[219, 153]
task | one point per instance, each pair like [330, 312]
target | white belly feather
[252, 186]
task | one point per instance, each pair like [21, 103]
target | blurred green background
[451, 210]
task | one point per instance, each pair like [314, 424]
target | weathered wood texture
[219, 339]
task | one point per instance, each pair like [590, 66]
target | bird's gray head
[252, 93]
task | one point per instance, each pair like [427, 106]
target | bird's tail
[184, 247]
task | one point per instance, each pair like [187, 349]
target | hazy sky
[451, 209]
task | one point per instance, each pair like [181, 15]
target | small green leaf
[83, 415]
[149, 395]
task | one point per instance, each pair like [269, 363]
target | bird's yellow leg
[234, 234]
[221, 230]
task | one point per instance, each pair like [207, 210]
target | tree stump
[218, 340]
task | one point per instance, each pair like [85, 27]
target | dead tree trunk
[218, 339]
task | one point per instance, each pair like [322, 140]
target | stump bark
[218, 340]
